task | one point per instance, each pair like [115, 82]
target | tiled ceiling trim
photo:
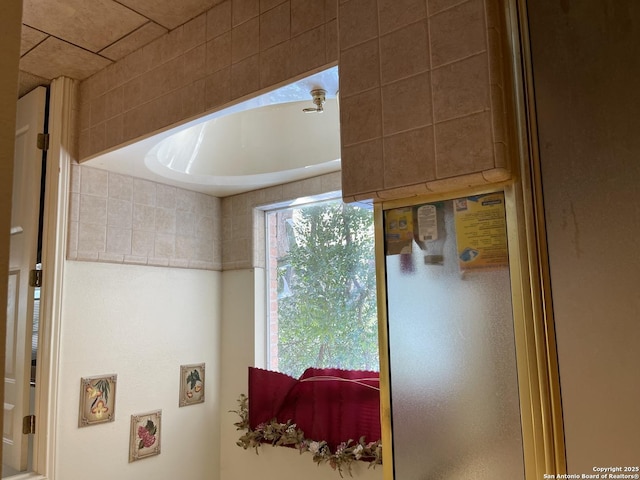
[77, 38]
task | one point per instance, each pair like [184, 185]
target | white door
[23, 256]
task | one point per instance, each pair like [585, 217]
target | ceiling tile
[170, 13]
[91, 25]
[135, 40]
[54, 58]
[30, 38]
[28, 82]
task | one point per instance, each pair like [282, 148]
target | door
[22, 258]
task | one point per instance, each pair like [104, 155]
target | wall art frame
[145, 435]
[97, 400]
[191, 384]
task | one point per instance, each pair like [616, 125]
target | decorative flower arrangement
[147, 435]
[287, 434]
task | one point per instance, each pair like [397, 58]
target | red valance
[329, 404]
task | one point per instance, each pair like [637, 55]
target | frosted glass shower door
[454, 393]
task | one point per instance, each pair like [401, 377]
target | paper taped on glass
[398, 230]
[481, 232]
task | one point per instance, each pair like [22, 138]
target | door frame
[63, 94]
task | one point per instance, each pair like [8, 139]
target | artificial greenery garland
[287, 434]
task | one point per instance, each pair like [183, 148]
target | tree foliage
[328, 317]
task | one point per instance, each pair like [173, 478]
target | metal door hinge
[35, 278]
[29, 424]
[43, 141]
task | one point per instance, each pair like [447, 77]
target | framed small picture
[191, 384]
[145, 435]
[97, 400]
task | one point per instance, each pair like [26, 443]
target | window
[322, 288]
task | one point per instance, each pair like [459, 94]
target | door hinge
[35, 278]
[29, 424]
[43, 141]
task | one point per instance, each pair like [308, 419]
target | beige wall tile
[218, 20]
[496, 58]
[91, 238]
[331, 35]
[144, 192]
[409, 158]
[269, 4]
[357, 22]
[193, 98]
[464, 145]
[165, 196]
[404, 52]
[306, 15]
[194, 32]
[114, 102]
[406, 104]
[461, 88]
[275, 26]
[144, 217]
[120, 186]
[119, 213]
[330, 10]
[275, 64]
[204, 249]
[142, 243]
[94, 181]
[74, 180]
[459, 182]
[395, 14]
[74, 207]
[98, 110]
[118, 240]
[219, 53]
[243, 10]
[195, 64]
[98, 141]
[308, 51]
[499, 115]
[135, 64]
[359, 68]
[165, 220]
[185, 246]
[164, 246]
[245, 40]
[185, 201]
[217, 88]
[72, 241]
[245, 76]
[186, 224]
[114, 128]
[435, 6]
[364, 172]
[458, 32]
[360, 118]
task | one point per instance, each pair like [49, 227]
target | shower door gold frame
[536, 352]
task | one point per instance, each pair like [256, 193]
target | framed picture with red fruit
[145, 435]
[191, 384]
[97, 400]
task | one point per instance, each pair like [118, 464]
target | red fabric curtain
[326, 404]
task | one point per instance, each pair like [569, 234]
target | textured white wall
[242, 304]
[585, 62]
[141, 323]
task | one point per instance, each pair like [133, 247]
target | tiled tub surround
[233, 50]
[121, 219]
[422, 96]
